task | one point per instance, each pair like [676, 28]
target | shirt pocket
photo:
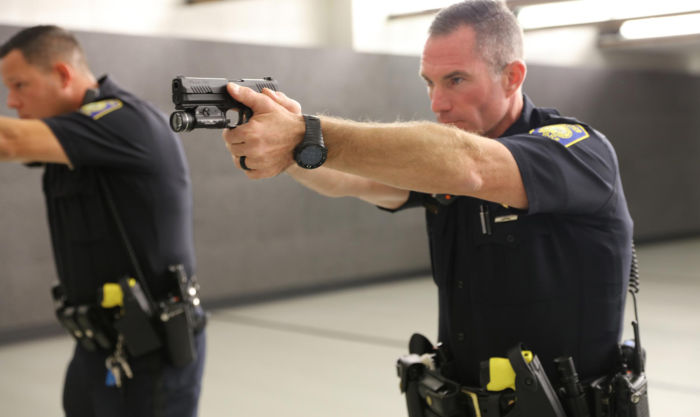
[514, 262]
[78, 210]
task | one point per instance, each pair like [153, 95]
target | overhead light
[586, 12]
[659, 27]
[565, 13]
[401, 9]
[413, 6]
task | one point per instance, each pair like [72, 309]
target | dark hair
[40, 45]
[499, 38]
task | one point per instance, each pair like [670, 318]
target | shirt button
[510, 238]
[460, 337]
[460, 284]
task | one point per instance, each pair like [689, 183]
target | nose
[12, 101]
[439, 101]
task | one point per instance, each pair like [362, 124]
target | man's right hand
[268, 139]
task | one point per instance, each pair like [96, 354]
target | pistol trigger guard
[244, 116]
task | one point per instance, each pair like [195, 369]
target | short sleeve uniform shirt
[128, 142]
[552, 277]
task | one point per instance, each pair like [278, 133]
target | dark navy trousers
[157, 389]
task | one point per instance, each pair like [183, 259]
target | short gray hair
[499, 37]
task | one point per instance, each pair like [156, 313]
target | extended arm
[333, 183]
[420, 156]
[426, 157]
[24, 140]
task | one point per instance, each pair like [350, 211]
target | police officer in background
[82, 129]
[529, 231]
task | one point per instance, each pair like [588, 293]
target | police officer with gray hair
[530, 234]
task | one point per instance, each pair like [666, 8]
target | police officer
[81, 128]
[529, 231]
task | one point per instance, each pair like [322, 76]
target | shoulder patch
[97, 109]
[565, 134]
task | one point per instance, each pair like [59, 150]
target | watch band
[311, 152]
[313, 129]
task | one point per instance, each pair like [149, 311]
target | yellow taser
[501, 373]
[111, 294]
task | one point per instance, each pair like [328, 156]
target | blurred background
[631, 68]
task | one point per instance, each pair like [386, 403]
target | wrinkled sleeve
[567, 172]
[117, 139]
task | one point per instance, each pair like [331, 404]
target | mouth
[449, 122]
[461, 125]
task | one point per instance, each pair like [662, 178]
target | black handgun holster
[430, 394]
[148, 324]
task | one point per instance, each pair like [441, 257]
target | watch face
[311, 156]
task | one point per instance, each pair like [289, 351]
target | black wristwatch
[311, 152]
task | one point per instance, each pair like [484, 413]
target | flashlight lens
[181, 121]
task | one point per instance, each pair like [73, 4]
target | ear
[514, 76]
[65, 73]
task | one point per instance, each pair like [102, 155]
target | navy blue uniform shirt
[128, 142]
[554, 276]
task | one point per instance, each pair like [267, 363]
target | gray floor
[334, 353]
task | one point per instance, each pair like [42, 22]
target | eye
[456, 80]
[18, 85]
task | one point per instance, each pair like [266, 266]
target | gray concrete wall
[253, 239]
[653, 120]
[257, 239]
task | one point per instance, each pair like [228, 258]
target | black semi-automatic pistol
[205, 103]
